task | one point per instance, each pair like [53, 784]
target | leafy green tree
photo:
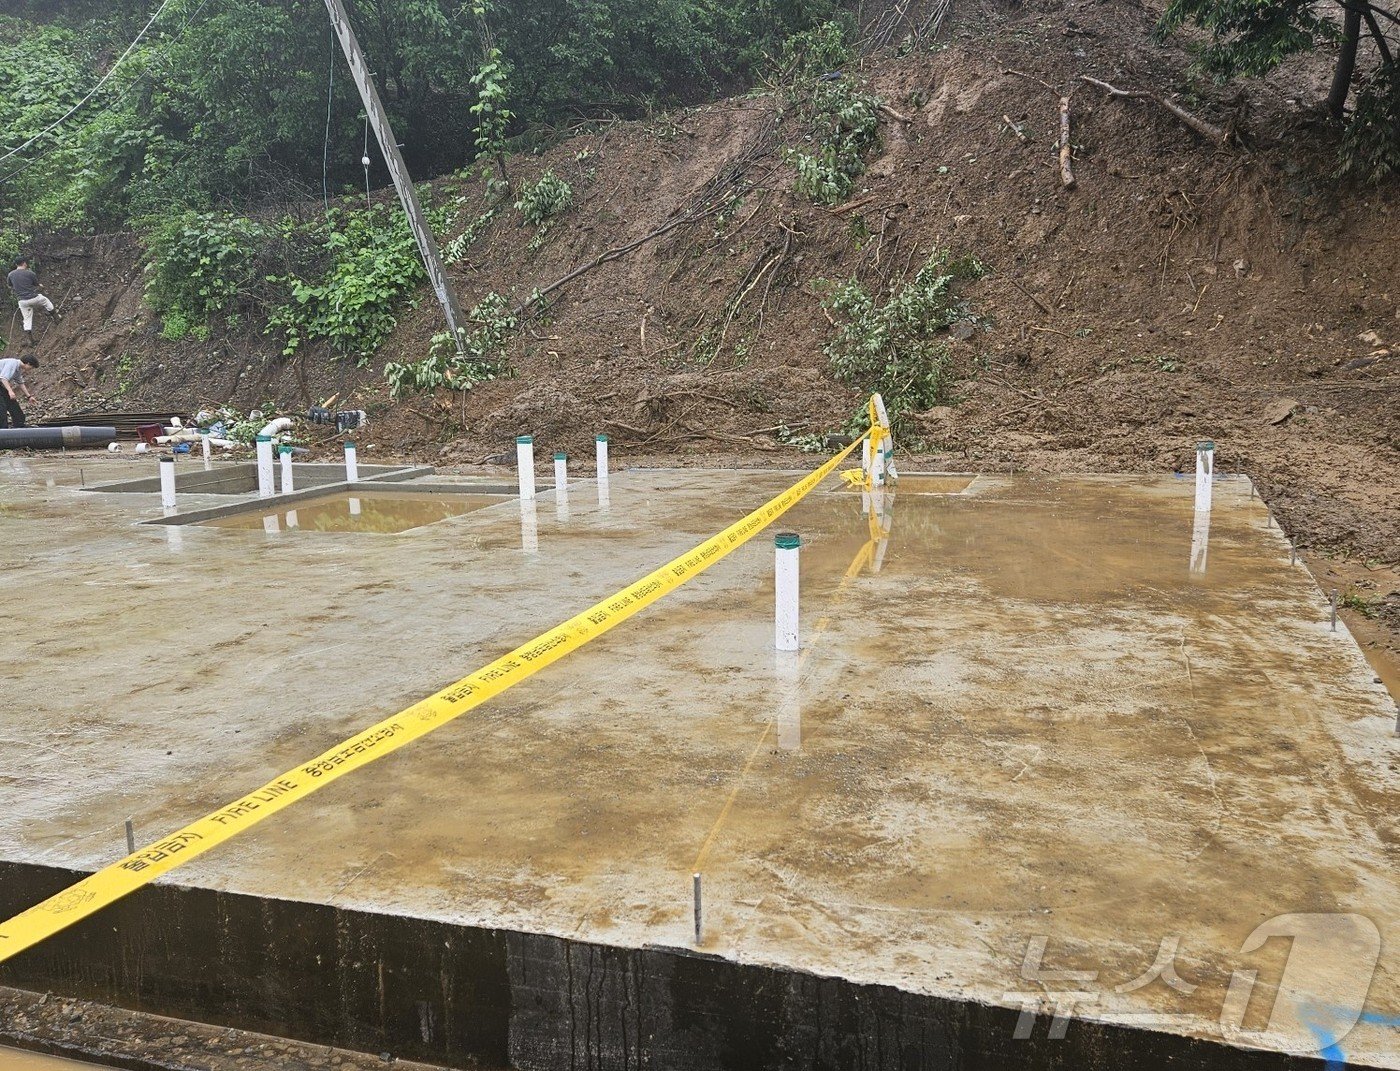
[1252, 37]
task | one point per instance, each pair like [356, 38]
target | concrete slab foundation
[1072, 749]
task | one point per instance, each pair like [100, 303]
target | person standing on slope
[25, 285]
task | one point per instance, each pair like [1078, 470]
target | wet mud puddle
[374, 512]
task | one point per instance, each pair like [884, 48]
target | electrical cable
[113, 70]
[326, 144]
[107, 107]
[364, 160]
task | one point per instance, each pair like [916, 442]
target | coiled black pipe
[54, 438]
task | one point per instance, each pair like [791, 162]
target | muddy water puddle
[378, 512]
[915, 484]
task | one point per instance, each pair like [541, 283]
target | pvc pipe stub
[284, 449]
[602, 438]
[787, 541]
[264, 438]
[524, 440]
[1208, 445]
[561, 457]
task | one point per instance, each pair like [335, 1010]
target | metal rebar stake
[1334, 609]
[130, 838]
[698, 928]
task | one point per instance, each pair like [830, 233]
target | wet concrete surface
[19, 1060]
[1041, 733]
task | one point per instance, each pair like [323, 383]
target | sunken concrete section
[1069, 748]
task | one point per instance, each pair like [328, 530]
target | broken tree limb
[1209, 131]
[613, 254]
[898, 117]
[1066, 172]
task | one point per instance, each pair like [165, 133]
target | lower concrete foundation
[468, 997]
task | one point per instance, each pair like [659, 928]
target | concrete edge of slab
[464, 995]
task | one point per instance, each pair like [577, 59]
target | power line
[326, 143]
[113, 70]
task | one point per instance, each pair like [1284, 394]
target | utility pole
[374, 110]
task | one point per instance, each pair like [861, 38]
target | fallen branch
[614, 254]
[898, 117]
[1066, 173]
[1209, 131]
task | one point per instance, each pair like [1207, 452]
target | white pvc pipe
[265, 485]
[167, 481]
[602, 457]
[352, 464]
[1200, 540]
[529, 526]
[525, 462]
[788, 547]
[1205, 474]
[865, 457]
[286, 453]
[204, 445]
[275, 427]
[604, 493]
[354, 507]
[561, 486]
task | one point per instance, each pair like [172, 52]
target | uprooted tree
[1252, 37]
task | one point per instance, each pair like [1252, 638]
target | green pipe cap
[1205, 445]
[561, 457]
[264, 438]
[524, 440]
[787, 541]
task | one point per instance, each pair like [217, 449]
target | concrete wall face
[470, 997]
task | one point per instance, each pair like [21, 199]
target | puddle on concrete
[916, 484]
[378, 512]
[19, 1060]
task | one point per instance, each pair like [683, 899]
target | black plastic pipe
[54, 438]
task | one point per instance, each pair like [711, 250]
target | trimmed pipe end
[787, 541]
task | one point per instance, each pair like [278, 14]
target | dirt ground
[1182, 290]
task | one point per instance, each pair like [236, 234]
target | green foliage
[490, 112]
[541, 201]
[456, 249]
[373, 266]
[1371, 143]
[482, 358]
[894, 347]
[1250, 38]
[226, 103]
[201, 265]
[816, 50]
[844, 126]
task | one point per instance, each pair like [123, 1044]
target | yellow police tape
[112, 883]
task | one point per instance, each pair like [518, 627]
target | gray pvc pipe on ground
[54, 438]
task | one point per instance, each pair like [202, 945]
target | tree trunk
[1346, 64]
